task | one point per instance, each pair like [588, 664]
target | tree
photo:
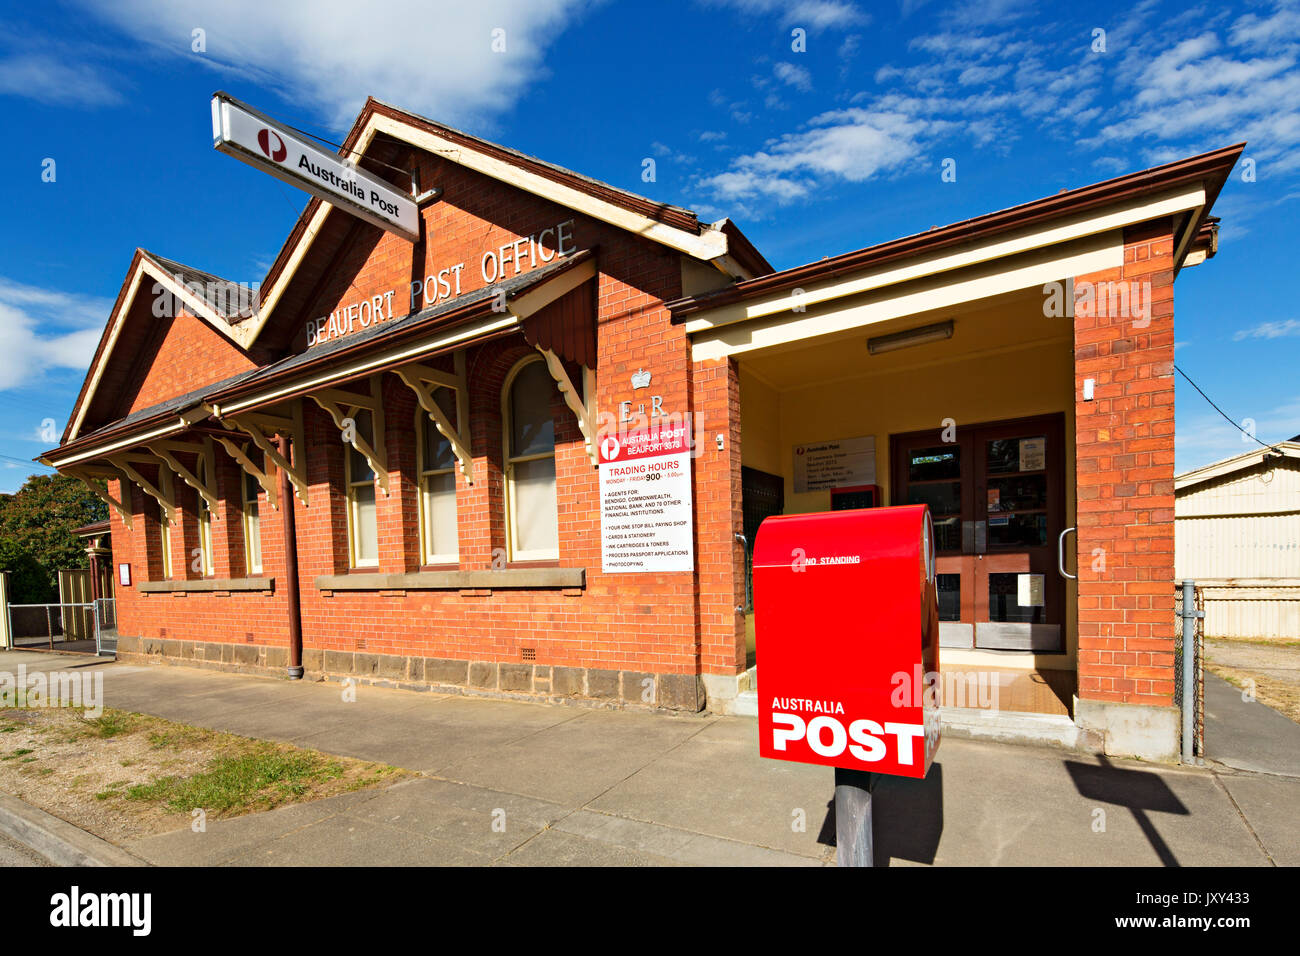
[36, 524]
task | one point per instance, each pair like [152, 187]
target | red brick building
[417, 427]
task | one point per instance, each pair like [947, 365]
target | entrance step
[1012, 727]
[746, 704]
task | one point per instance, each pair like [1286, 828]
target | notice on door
[645, 502]
[841, 463]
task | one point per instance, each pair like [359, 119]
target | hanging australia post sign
[839, 463]
[242, 132]
[645, 501]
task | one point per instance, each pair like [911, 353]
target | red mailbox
[847, 630]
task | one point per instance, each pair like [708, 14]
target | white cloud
[42, 329]
[851, 144]
[812, 15]
[56, 80]
[1269, 330]
[1280, 29]
[1204, 438]
[792, 75]
[1235, 79]
[979, 12]
[328, 55]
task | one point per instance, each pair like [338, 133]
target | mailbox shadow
[907, 818]
[1141, 791]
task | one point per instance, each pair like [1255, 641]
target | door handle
[743, 609]
[968, 537]
[1060, 555]
[981, 537]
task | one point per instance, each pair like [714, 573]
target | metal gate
[1189, 676]
[106, 627]
[53, 627]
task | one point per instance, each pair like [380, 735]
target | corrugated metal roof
[232, 301]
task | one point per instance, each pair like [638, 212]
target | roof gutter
[1211, 168]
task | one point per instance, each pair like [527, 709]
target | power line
[354, 152]
[1218, 409]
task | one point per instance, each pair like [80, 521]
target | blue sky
[814, 151]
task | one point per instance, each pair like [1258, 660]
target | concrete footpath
[514, 783]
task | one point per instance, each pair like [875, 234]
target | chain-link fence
[52, 627]
[1195, 695]
[106, 627]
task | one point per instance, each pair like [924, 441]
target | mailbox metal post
[853, 834]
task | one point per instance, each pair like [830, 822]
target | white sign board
[841, 463]
[241, 131]
[645, 501]
[1029, 590]
[1033, 454]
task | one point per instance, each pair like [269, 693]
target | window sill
[456, 580]
[209, 584]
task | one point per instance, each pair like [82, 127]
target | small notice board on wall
[645, 502]
[838, 463]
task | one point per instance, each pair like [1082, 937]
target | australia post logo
[270, 143]
[820, 731]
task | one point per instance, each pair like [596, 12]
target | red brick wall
[1125, 471]
[192, 352]
[720, 559]
[649, 622]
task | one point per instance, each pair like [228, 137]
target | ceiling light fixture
[901, 340]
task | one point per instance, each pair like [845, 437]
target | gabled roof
[182, 283]
[1210, 169]
[241, 316]
[720, 243]
[1242, 462]
[231, 301]
[449, 320]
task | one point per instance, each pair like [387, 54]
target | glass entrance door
[997, 494]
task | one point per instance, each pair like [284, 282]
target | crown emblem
[641, 379]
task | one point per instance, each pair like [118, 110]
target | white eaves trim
[1077, 227]
[368, 364]
[939, 292]
[538, 297]
[147, 268]
[122, 444]
[710, 245]
[1218, 469]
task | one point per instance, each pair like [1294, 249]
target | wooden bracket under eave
[103, 495]
[251, 424]
[422, 380]
[333, 401]
[262, 475]
[165, 501]
[164, 450]
[585, 413]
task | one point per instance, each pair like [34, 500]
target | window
[252, 525]
[533, 519]
[164, 530]
[437, 463]
[363, 527]
[205, 522]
